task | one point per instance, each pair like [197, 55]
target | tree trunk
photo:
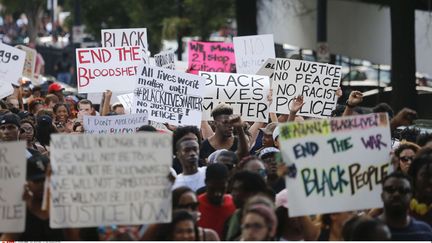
[246, 16]
[403, 54]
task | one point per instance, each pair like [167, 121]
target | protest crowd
[236, 148]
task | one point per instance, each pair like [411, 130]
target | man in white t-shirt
[188, 155]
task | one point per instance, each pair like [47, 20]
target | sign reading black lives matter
[169, 96]
[110, 179]
[247, 94]
[341, 163]
[316, 82]
[12, 180]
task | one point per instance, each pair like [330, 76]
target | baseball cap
[266, 151]
[36, 167]
[269, 128]
[44, 120]
[54, 87]
[10, 118]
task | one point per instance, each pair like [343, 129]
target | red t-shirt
[213, 216]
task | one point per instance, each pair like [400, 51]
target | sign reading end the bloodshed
[168, 96]
[99, 69]
[316, 82]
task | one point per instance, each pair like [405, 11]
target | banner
[127, 38]
[169, 96]
[211, 57]
[29, 63]
[99, 69]
[247, 94]
[165, 59]
[252, 51]
[316, 82]
[11, 67]
[114, 124]
[12, 179]
[340, 163]
[110, 179]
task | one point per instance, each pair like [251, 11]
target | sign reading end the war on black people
[110, 179]
[169, 96]
[246, 94]
[316, 82]
[340, 163]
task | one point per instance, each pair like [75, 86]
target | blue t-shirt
[416, 230]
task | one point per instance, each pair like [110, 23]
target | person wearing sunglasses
[396, 196]
[258, 224]
[405, 153]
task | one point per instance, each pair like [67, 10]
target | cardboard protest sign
[99, 69]
[340, 163]
[267, 68]
[165, 59]
[12, 179]
[30, 62]
[11, 67]
[211, 57]
[126, 100]
[252, 51]
[169, 96]
[127, 38]
[247, 94]
[316, 82]
[105, 179]
[114, 124]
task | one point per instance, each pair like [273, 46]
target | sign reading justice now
[99, 69]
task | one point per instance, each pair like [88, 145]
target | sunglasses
[401, 190]
[253, 226]
[192, 206]
[406, 158]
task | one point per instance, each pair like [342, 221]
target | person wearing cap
[259, 223]
[56, 89]
[9, 127]
[37, 219]
[269, 156]
[266, 138]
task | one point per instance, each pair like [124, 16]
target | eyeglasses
[253, 226]
[406, 158]
[401, 190]
[192, 206]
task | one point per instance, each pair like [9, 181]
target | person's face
[258, 167]
[267, 140]
[85, 109]
[188, 153]
[223, 125]
[14, 103]
[62, 114]
[396, 195]
[119, 110]
[254, 228]
[27, 132]
[405, 159]
[189, 202]
[216, 190]
[184, 231]
[424, 183]
[36, 94]
[9, 132]
[238, 194]
[270, 164]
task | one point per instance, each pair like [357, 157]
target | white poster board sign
[316, 82]
[126, 100]
[11, 67]
[106, 179]
[127, 37]
[340, 163]
[29, 64]
[252, 51]
[99, 69]
[267, 68]
[169, 96]
[247, 94]
[114, 124]
[12, 179]
[165, 59]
